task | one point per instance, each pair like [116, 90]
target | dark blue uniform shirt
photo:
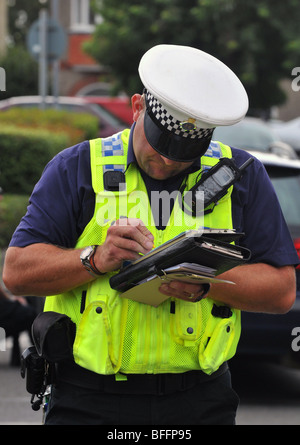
[62, 204]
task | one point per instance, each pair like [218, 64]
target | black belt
[155, 384]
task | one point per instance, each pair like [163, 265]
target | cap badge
[188, 125]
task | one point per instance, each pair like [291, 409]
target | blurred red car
[118, 106]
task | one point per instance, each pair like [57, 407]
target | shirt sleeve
[62, 202]
[257, 213]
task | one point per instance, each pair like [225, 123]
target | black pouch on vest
[53, 336]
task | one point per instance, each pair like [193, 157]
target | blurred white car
[254, 134]
[288, 132]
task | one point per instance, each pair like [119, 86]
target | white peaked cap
[193, 85]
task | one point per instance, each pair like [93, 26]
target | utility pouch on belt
[53, 336]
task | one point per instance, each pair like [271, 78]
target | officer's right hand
[126, 239]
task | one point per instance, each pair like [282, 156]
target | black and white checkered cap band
[170, 123]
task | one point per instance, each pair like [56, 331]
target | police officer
[134, 363]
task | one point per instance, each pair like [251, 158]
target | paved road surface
[269, 393]
[15, 407]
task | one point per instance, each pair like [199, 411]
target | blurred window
[83, 19]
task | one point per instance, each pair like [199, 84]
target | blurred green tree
[21, 73]
[21, 14]
[21, 70]
[258, 40]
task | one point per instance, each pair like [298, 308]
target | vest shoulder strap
[214, 153]
[108, 154]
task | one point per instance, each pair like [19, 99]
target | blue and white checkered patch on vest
[113, 146]
[213, 151]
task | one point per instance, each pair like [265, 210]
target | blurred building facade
[80, 74]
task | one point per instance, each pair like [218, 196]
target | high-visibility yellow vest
[120, 335]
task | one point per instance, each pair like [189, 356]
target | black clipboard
[211, 248]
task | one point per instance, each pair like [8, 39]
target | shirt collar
[130, 154]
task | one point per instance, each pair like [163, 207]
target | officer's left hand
[184, 290]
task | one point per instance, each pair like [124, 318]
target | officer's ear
[137, 103]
